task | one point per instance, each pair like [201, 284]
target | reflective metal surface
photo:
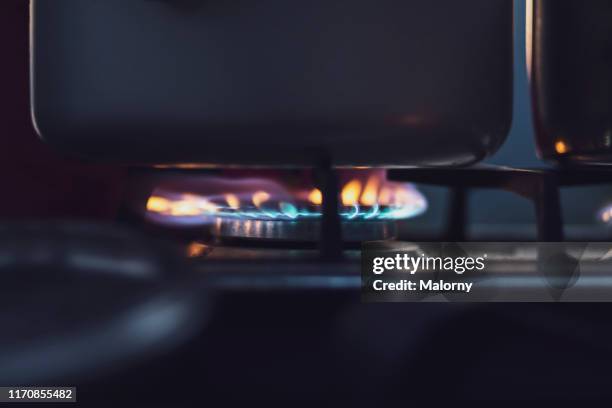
[570, 56]
[300, 231]
[275, 83]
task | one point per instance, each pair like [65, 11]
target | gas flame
[260, 197]
[367, 195]
[184, 206]
[232, 201]
[158, 204]
[315, 197]
[384, 198]
[351, 192]
[375, 192]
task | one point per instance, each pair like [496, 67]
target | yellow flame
[187, 205]
[185, 208]
[375, 191]
[232, 201]
[370, 192]
[316, 197]
[351, 193]
[207, 207]
[201, 203]
[260, 197]
[158, 204]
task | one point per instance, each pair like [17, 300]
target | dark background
[34, 180]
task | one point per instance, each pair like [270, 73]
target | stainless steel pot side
[570, 52]
[273, 82]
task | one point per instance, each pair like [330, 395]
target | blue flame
[214, 208]
[289, 212]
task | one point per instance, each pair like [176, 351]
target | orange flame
[385, 196]
[351, 192]
[316, 197]
[375, 191]
[370, 192]
[232, 201]
[202, 203]
[158, 204]
[185, 208]
[187, 205]
[260, 197]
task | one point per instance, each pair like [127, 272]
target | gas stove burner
[273, 209]
[304, 230]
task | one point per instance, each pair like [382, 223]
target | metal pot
[570, 53]
[274, 82]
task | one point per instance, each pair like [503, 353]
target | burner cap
[303, 230]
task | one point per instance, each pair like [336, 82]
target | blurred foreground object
[78, 300]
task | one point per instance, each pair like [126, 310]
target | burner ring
[353, 231]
